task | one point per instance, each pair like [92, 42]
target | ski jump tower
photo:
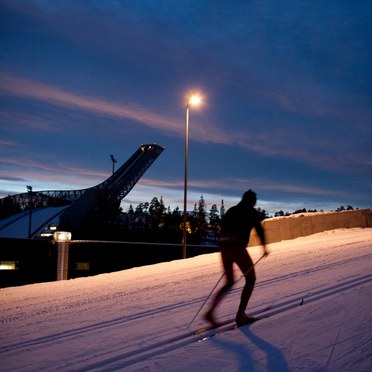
[91, 203]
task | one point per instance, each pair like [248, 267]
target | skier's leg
[245, 264]
[227, 261]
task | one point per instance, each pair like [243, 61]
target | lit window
[8, 265]
[83, 266]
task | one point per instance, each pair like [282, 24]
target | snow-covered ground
[316, 288]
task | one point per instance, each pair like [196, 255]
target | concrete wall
[303, 224]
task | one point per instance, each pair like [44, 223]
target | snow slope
[316, 288]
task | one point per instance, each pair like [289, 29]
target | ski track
[160, 310]
[333, 347]
[172, 343]
[167, 345]
[102, 299]
[174, 307]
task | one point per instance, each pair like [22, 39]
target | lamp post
[192, 99]
[113, 163]
[29, 191]
[62, 238]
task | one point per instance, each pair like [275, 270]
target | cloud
[35, 122]
[8, 143]
[261, 142]
[235, 185]
[11, 85]
[47, 173]
[20, 87]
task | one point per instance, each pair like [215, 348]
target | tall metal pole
[29, 189]
[113, 163]
[185, 185]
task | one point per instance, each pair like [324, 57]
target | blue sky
[286, 85]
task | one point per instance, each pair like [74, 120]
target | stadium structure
[37, 214]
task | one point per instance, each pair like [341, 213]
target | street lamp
[113, 163]
[193, 100]
[29, 191]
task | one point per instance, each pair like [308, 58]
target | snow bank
[304, 224]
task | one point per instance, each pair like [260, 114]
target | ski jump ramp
[67, 209]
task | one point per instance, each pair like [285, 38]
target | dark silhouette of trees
[222, 209]
[263, 214]
[154, 222]
[342, 208]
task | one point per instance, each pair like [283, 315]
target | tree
[213, 214]
[202, 214]
[222, 209]
[300, 211]
[262, 213]
[279, 214]
[214, 218]
[156, 212]
[198, 219]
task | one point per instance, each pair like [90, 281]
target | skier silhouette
[236, 226]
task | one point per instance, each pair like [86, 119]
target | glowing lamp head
[194, 100]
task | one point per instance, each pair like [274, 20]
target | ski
[230, 324]
[229, 321]
[213, 326]
[213, 331]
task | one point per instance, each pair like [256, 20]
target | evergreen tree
[222, 209]
[202, 214]
[214, 218]
[156, 212]
[201, 218]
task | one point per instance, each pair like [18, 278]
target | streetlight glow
[194, 99]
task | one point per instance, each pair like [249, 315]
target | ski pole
[244, 274]
[197, 313]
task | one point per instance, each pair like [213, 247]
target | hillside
[317, 290]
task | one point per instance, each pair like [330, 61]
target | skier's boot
[243, 319]
[208, 316]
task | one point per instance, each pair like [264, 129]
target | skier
[236, 227]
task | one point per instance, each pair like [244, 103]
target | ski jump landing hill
[67, 210]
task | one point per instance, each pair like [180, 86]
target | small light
[8, 265]
[62, 236]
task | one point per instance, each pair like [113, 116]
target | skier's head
[249, 198]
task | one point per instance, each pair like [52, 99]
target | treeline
[153, 221]
[304, 210]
